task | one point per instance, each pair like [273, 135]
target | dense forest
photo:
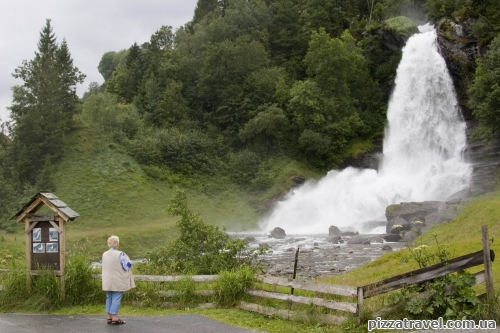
[243, 84]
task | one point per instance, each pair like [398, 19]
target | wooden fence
[355, 295]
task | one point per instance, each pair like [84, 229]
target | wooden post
[360, 304]
[295, 268]
[62, 254]
[28, 250]
[487, 264]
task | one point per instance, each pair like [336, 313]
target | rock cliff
[460, 49]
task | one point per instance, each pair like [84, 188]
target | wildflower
[418, 222]
[418, 248]
[397, 226]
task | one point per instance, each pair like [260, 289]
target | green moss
[401, 25]
[390, 209]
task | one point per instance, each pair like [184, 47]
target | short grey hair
[113, 241]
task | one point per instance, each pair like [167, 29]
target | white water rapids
[422, 153]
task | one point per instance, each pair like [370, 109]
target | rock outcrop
[460, 49]
[408, 219]
[485, 160]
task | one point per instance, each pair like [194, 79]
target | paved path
[181, 323]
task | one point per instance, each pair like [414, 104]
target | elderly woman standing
[116, 278]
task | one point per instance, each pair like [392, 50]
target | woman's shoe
[117, 322]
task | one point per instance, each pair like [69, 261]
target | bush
[183, 152]
[450, 296]
[187, 296]
[232, 284]
[81, 287]
[200, 248]
[44, 291]
[243, 167]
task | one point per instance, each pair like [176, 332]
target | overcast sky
[90, 27]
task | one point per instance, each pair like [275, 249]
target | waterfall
[422, 153]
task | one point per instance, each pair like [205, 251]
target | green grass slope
[113, 195]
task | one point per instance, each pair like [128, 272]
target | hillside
[113, 195]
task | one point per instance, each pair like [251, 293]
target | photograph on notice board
[39, 248]
[53, 235]
[52, 247]
[37, 234]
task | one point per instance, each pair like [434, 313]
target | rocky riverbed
[318, 256]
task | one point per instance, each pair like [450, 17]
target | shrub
[81, 287]
[244, 167]
[232, 284]
[14, 290]
[43, 292]
[187, 152]
[450, 296]
[187, 296]
[200, 248]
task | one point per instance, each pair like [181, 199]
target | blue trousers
[113, 300]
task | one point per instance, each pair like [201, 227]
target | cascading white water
[422, 157]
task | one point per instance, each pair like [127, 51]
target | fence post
[360, 304]
[295, 268]
[487, 264]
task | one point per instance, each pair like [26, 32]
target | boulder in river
[392, 237]
[361, 240]
[334, 231]
[334, 239]
[278, 233]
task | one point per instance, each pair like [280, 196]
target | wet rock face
[408, 219]
[460, 49]
[406, 212]
[485, 160]
[428, 212]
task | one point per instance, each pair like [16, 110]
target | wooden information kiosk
[46, 233]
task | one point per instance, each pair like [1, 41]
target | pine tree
[43, 106]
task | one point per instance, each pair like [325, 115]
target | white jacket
[114, 277]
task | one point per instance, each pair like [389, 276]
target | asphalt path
[181, 323]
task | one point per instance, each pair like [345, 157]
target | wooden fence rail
[423, 274]
[318, 287]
